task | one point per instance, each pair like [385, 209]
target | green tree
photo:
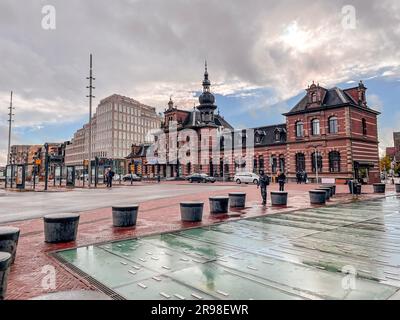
[385, 163]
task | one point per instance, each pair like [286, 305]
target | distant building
[396, 138]
[23, 154]
[117, 123]
[391, 152]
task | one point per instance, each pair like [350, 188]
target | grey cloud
[149, 49]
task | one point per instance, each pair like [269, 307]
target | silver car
[246, 177]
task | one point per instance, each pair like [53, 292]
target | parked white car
[246, 177]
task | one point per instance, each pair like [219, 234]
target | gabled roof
[331, 98]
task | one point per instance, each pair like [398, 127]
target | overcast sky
[262, 55]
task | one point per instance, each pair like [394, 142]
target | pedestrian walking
[281, 181]
[263, 182]
[111, 175]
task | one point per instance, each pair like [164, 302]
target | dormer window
[277, 135]
[314, 97]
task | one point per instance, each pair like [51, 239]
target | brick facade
[332, 129]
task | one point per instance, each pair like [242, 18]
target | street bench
[317, 196]
[5, 263]
[191, 211]
[9, 241]
[125, 216]
[237, 199]
[219, 205]
[62, 227]
[379, 187]
[279, 198]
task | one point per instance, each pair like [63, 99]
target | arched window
[261, 162]
[315, 127]
[282, 163]
[334, 161]
[299, 129]
[333, 125]
[300, 162]
[364, 126]
[274, 164]
[316, 161]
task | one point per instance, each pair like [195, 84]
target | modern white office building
[117, 123]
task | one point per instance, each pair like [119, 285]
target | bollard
[5, 263]
[61, 227]
[279, 198]
[317, 196]
[125, 216]
[219, 205]
[192, 211]
[9, 241]
[237, 199]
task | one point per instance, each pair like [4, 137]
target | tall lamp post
[315, 147]
[90, 96]
[10, 121]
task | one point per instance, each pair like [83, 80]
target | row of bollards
[9, 237]
[322, 194]
[192, 211]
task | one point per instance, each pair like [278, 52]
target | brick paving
[156, 216]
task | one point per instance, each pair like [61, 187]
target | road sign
[38, 162]
[85, 163]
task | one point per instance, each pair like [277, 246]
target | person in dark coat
[262, 184]
[281, 181]
[110, 177]
[298, 177]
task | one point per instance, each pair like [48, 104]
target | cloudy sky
[262, 54]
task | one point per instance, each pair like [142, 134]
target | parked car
[246, 177]
[133, 177]
[200, 177]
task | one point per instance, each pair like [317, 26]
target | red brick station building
[332, 130]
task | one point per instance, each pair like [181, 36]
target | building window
[274, 165]
[315, 127]
[300, 162]
[364, 126]
[261, 162]
[314, 97]
[299, 129]
[334, 161]
[316, 158]
[333, 125]
[277, 135]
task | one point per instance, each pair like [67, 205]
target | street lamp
[315, 147]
